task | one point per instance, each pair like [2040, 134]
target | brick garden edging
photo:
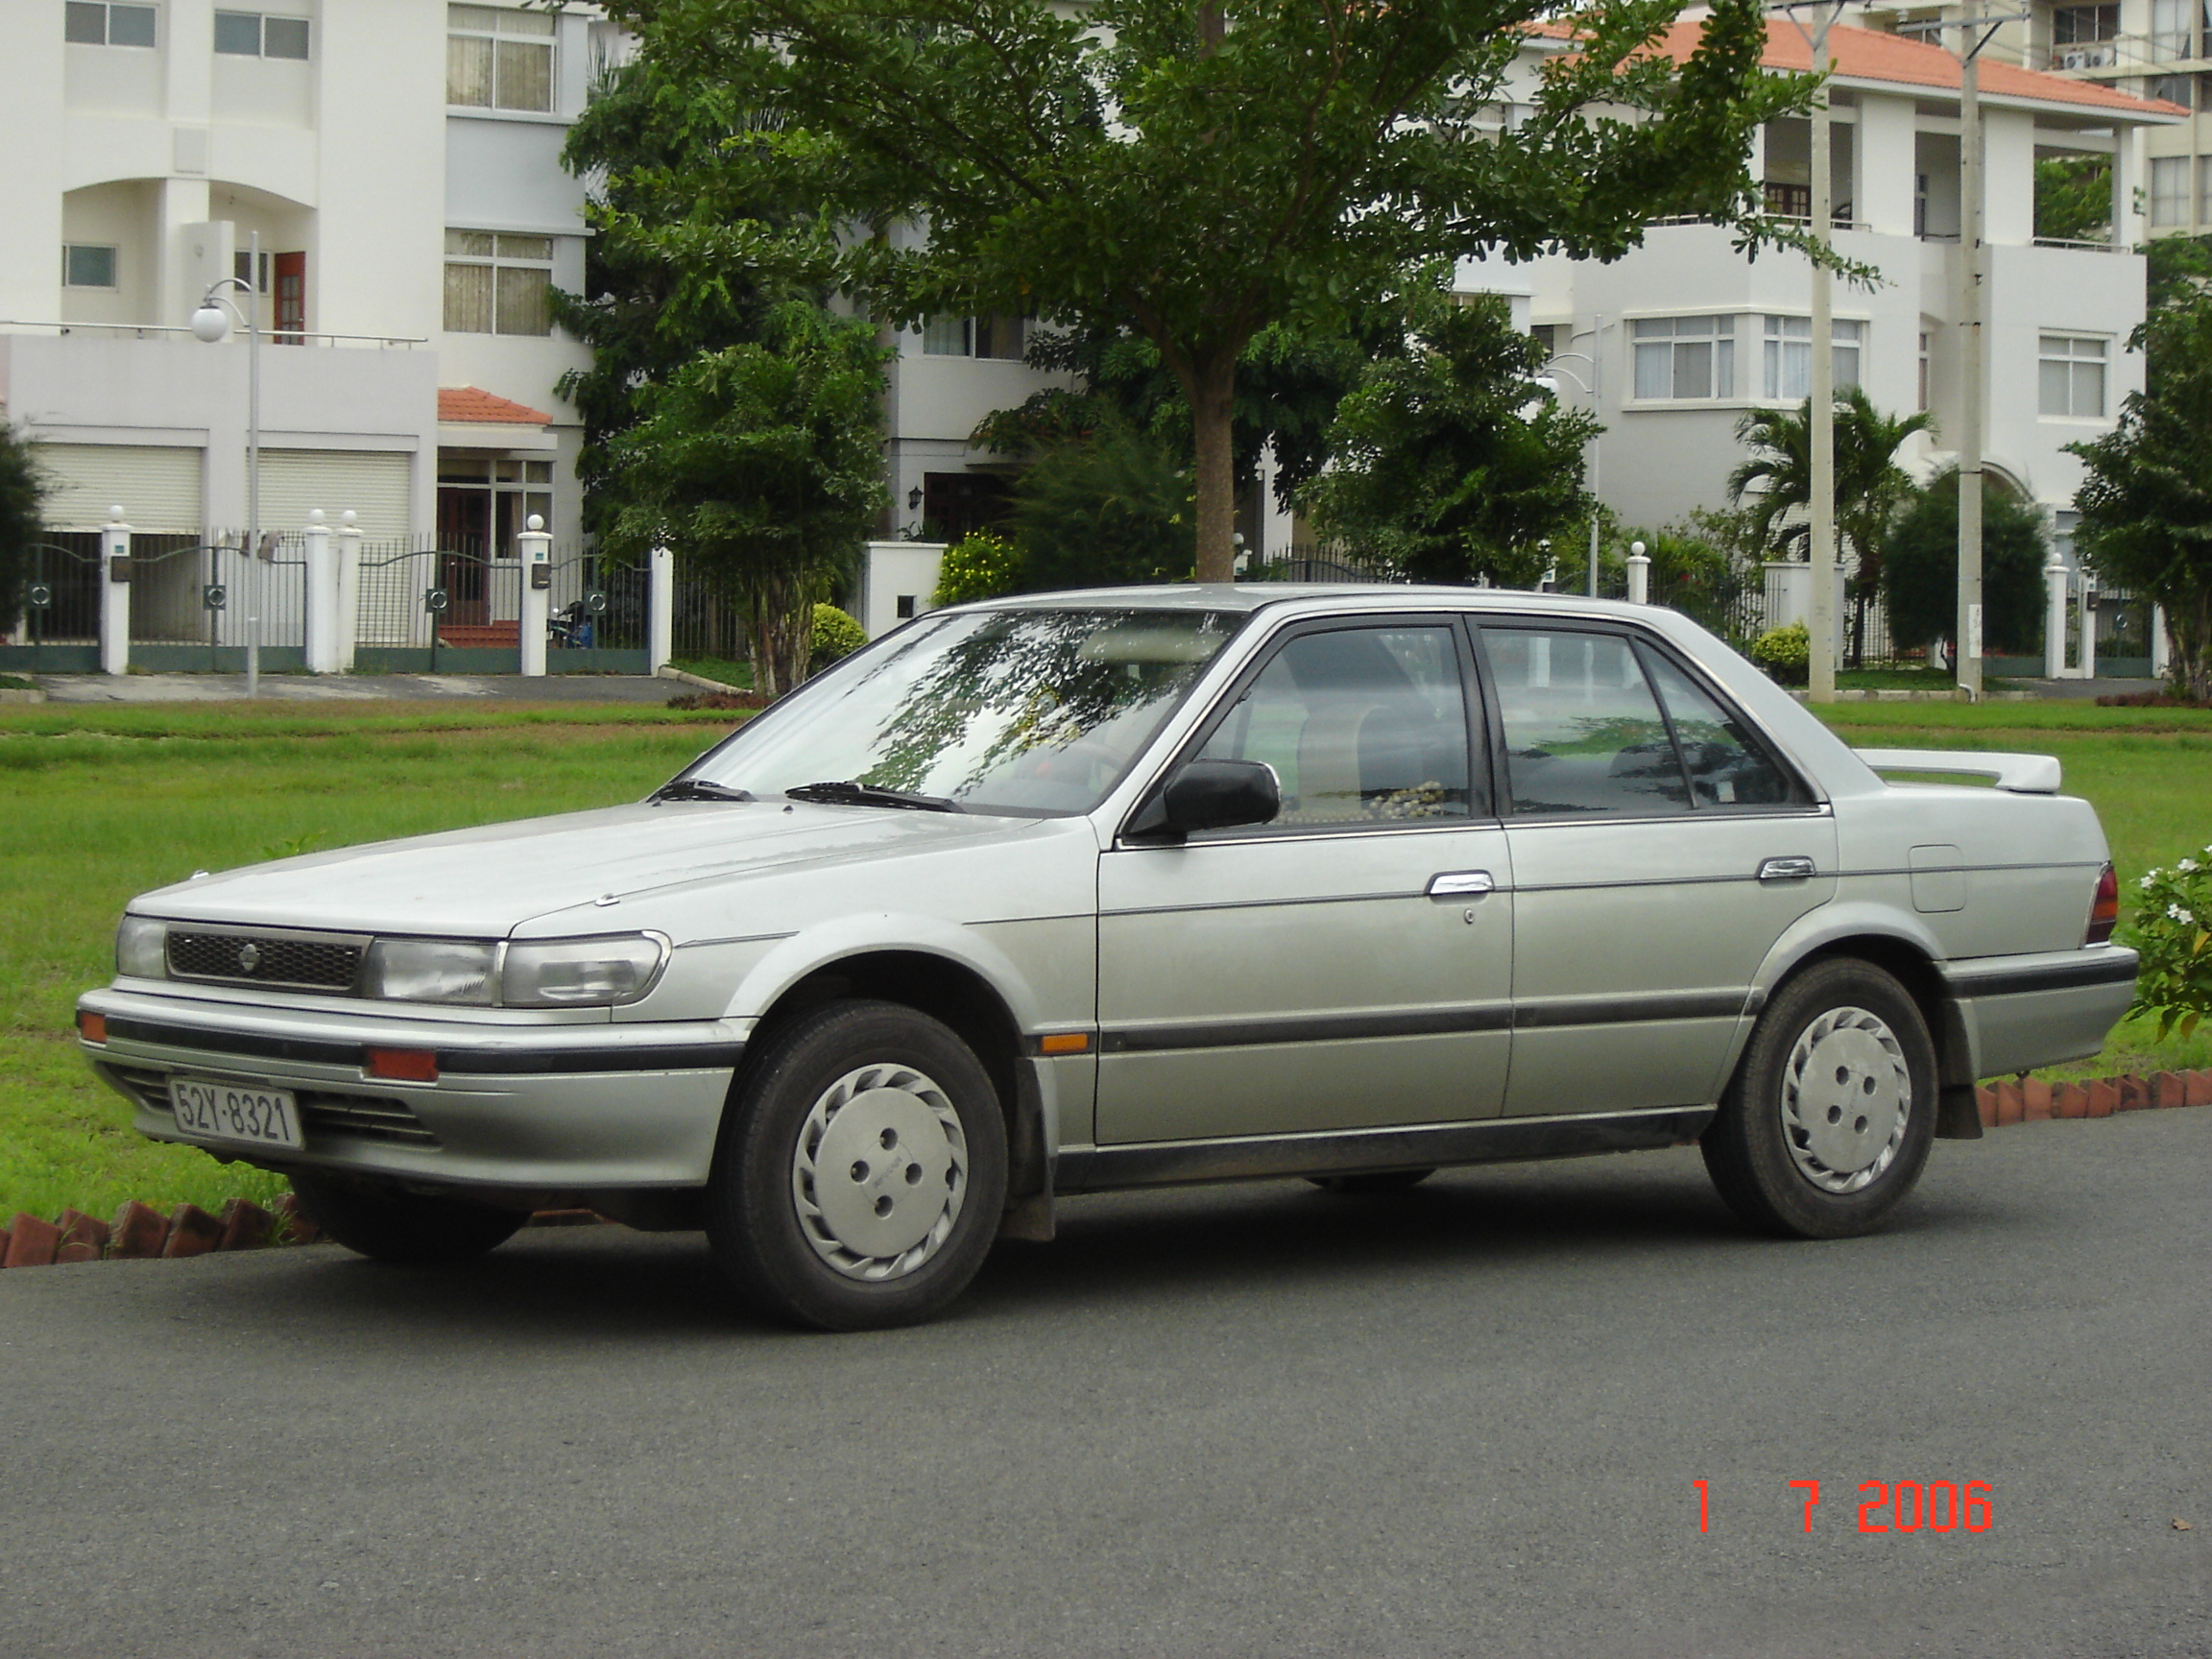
[139, 1231]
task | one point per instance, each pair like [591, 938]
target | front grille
[266, 959]
[358, 1117]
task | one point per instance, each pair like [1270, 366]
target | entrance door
[1345, 967]
[291, 299]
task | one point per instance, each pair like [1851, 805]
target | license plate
[232, 1112]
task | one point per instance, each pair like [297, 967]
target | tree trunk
[1212, 393]
[780, 620]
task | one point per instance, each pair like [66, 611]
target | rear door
[1659, 850]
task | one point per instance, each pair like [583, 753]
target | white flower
[2145, 883]
[2179, 914]
[2188, 864]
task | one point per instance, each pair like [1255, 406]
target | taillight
[2104, 909]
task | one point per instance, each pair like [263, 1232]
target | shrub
[1785, 652]
[2173, 929]
[979, 566]
[835, 635]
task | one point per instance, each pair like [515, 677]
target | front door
[1346, 967]
[1659, 852]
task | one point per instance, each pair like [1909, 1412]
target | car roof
[1320, 596]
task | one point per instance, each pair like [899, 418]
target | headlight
[577, 973]
[430, 970]
[142, 948]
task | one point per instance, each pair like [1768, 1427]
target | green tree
[1920, 579]
[1194, 173]
[23, 494]
[1449, 462]
[761, 464]
[1106, 507]
[1775, 485]
[725, 246]
[2146, 505]
[2074, 197]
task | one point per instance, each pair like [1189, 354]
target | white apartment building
[397, 161]
[1687, 334]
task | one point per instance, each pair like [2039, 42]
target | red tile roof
[468, 403]
[1866, 55]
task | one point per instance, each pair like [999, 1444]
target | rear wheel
[862, 1172]
[406, 1228]
[1827, 1122]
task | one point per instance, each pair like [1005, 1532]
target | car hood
[487, 881]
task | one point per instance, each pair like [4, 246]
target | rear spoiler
[2021, 773]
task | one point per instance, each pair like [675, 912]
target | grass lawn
[109, 800]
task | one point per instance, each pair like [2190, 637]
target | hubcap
[881, 1173]
[1846, 1096]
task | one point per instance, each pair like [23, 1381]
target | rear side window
[1583, 731]
[1595, 724]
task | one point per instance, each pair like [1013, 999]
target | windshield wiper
[847, 792]
[697, 789]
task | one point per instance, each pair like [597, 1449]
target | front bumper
[522, 1108]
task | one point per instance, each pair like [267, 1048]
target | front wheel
[401, 1227]
[862, 1170]
[1827, 1122]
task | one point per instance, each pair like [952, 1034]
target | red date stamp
[1893, 1506]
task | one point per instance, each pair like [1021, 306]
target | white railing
[275, 336]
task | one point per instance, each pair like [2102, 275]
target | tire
[1374, 1184]
[862, 1170]
[1827, 1122]
[403, 1228]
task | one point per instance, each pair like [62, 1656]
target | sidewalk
[356, 687]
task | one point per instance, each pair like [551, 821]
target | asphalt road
[1243, 1421]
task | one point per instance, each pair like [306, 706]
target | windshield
[1020, 712]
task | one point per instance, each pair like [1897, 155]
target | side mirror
[1211, 795]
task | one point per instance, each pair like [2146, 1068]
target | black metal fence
[709, 623]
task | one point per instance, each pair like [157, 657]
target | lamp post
[1595, 358]
[210, 323]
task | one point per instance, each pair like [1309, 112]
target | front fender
[791, 960]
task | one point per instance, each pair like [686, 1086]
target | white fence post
[322, 638]
[115, 594]
[348, 564]
[1639, 574]
[2088, 631]
[2160, 647]
[537, 548]
[2054, 618]
[660, 610]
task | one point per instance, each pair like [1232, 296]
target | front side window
[251, 34]
[1788, 361]
[497, 283]
[497, 58]
[1027, 712]
[2071, 377]
[107, 23]
[1363, 726]
[1685, 358]
[88, 265]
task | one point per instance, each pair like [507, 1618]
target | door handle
[1460, 884]
[1797, 867]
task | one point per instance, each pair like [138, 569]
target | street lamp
[1589, 387]
[210, 323]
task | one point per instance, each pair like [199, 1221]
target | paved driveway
[1244, 1421]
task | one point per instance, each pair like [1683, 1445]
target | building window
[99, 23]
[483, 505]
[1680, 358]
[2084, 37]
[1925, 341]
[2173, 25]
[499, 60]
[995, 336]
[2072, 376]
[2179, 89]
[251, 35]
[84, 265]
[2169, 190]
[497, 284]
[1789, 355]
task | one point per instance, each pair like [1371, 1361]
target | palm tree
[1869, 484]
